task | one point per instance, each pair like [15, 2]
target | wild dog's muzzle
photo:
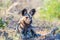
[25, 22]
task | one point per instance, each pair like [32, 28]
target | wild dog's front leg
[33, 33]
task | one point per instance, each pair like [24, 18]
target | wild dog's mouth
[24, 23]
[27, 22]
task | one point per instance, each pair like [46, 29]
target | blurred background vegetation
[4, 4]
[51, 10]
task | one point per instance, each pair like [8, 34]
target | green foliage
[51, 10]
[2, 24]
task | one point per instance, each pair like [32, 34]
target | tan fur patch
[22, 23]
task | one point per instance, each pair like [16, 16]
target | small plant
[2, 23]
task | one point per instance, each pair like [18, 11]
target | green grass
[2, 24]
[51, 10]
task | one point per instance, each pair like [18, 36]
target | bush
[2, 23]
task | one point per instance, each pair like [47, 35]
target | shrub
[2, 23]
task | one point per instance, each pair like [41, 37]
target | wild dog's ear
[24, 12]
[32, 12]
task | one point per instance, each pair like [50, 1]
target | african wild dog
[25, 22]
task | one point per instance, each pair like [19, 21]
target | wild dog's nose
[26, 17]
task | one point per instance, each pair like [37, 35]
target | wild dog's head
[27, 17]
